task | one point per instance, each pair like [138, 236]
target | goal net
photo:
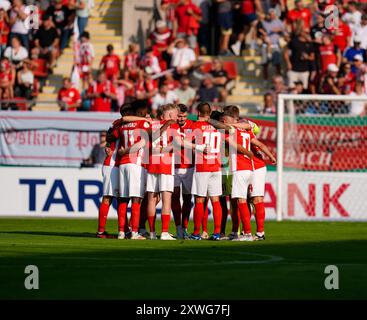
[322, 157]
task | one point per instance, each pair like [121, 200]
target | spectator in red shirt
[342, 34]
[132, 62]
[68, 98]
[101, 93]
[187, 22]
[111, 64]
[329, 53]
[169, 7]
[4, 30]
[299, 13]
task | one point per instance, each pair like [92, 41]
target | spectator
[4, 30]
[220, 79]
[145, 88]
[361, 32]
[249, 19]
[278, 87]
[164, 96]
[125, 90]
[47, 41]
[208, 92]
[205, 24]
[187, 22]
[63, 19]
[269, 105]
[356, 49]
[132, 62]
[358, 108]
[85, 57]
[25, 83]
[329, 53]
[159, 40]
[297, 57]
[353, 16]
[197, 75]
[225, 23]
[350, 77]
[360, 67]
[98, 153]
[16, 53]
[299, 13]
[7, 78]
[168, 7]
[341, 35]
[68, 97]
[110, 64]
[185, 93]
[150, 62]
[183, 57]
[82, 13]
[17, 25]
[272, 29]
[101, 93]
[329, 80]
[170, 81]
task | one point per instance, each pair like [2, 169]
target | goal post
[321, 157]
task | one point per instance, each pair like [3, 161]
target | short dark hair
[126, 109]
[182, 108]
[216, 115]
[109, 47]
[85, 34]
[204, 109]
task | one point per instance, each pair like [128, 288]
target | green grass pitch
[288, 265]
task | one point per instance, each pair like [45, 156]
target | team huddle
[172, 158]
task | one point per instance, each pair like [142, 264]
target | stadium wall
[75, 193]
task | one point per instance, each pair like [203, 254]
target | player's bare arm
[134, 148]
[265, 149]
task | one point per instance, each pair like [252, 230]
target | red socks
[102, 216]
[217, 214]
[151, 222]
[165, 222]
[122, 215]
[205, 218]
[260, 216]
[135, 216]
[245, 217]
[198, 216]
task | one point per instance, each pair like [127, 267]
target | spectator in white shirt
[353, 16]
[183, 57]
[361, 32]
[16, 53]
[164, 96]
[17, 25]
[358, 108]
[185, 94]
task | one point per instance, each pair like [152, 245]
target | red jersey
[304, 14]
[239, 161]
[130, 134]
[161, 163]
[258, 159]
[101, 104]
[184, 158]
[132, 61]
[111, 65]
[69, 96]
[4, 30]
[161, 40]
[186, 23]
[248, 7]
[111, 160]
[327, 55]
[205, 133]
[171, 9]
[341, 35]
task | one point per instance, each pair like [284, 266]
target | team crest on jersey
[146, 125]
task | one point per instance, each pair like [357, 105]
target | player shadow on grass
[56, 234]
